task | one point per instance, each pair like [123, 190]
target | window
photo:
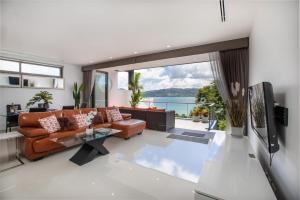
[123, 80]
[15, 73]
[41, 70]
[10, 66]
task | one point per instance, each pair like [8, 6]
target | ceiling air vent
[222, 9]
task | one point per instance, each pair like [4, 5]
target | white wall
[60, 97]
[274, 55]
[116, 97]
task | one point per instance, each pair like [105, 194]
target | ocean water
[182, 105]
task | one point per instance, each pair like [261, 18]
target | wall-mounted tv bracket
[281, 114]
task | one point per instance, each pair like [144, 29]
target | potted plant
[44, 96]
[77, 94]
[196, 114]
[236, 107]
[204, 115]
[136, 88]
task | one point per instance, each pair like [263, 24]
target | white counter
[231, 174]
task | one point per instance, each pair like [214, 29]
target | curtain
[230, 70]
[235, 64]
[218, 74]
[88, 82]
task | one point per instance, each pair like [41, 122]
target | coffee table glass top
[83, 137]
[99, 133]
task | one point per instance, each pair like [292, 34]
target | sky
[193, 75]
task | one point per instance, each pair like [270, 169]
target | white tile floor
[148, 166]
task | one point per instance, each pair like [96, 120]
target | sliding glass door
[100, 93]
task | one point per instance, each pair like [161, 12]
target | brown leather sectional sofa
[38, 142]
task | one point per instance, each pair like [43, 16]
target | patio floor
[189, 124]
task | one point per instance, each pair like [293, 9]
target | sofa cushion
[126, 116]
[87, 110]
[50, 124]
[127, 124]
[33, 132]
[129, 127]
[70, 113]
[81, 120]
[104, 125]
[49, 143]
[31, 119]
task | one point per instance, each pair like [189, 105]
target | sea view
[182, 105]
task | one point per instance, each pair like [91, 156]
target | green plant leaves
[44, 96]
[137, 93]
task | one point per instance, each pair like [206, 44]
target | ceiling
[82, 32]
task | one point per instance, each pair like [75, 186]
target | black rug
[193, 134]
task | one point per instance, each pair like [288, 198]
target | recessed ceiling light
[168, 46]
[135, 52]
[111, 57]
[91, 61]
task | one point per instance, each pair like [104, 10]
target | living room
[143, 153]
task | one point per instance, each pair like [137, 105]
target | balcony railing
[182, 109]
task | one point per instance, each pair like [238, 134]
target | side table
[6, 137]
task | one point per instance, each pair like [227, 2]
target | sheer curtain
[88, 82]
[218, 74]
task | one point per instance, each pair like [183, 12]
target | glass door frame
[106, 89]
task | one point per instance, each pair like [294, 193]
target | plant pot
[46, 105]
[196, 118]
[237, 131]
[89, 131]
[204, 119]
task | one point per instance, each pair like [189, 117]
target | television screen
[14, 80]
[262, 114]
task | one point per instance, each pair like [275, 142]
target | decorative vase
[89, 131]
[237, 131]
[196, 118]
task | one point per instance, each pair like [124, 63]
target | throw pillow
[108, 113]
[98, 119]
[50, 124]
[67, 123]
[72, 125]
[81, 120]
[115, 115]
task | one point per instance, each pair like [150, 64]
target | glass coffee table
[91, 145]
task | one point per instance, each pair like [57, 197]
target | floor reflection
[180, 159]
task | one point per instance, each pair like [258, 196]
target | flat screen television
[13, 80]
[262, 113]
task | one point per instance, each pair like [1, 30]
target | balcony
[183, 110]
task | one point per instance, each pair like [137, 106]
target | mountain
[172, 92]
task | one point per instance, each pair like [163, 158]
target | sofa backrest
[31, 119]
[87, 110]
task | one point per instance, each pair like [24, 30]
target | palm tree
[136, 88]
